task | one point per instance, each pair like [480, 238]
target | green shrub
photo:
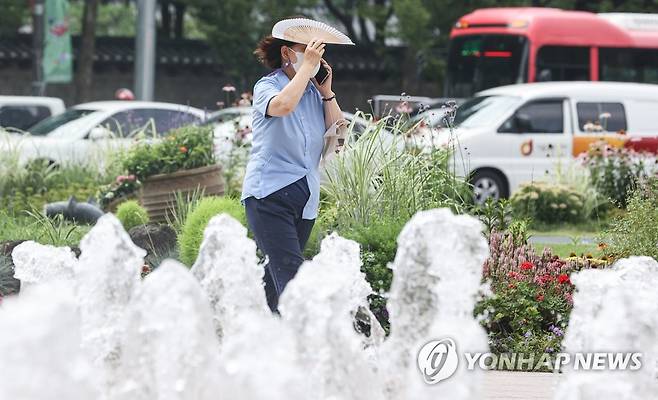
[131, 214]
[548, 203]
[380, 175]
[191, 236]
[325, 223]
[636, 232]
[378, 242]
[614, 171]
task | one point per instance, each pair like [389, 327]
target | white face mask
[300, 59]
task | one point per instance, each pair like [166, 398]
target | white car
[88, 133]
[232, 126]
[232, 132]
[514, 134]
[23, 112]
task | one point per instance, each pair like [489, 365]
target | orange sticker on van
[581, 143]
[526, 148]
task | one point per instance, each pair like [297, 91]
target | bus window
[544, 116]
[478, 62]
[562, 63]
[628, 65]
[601, 117]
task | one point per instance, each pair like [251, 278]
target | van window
[601, 117]
[544, 116]
[562, 63]
[22, 116]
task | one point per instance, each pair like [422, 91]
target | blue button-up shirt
[285, 149]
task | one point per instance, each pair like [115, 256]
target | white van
[515, 134]
[22, 112]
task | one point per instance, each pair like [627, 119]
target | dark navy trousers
[281, 234]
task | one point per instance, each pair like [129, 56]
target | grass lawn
[564, 250]
[40, 229]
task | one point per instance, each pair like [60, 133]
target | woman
[281, 188]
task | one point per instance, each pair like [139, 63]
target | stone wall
[358, 73]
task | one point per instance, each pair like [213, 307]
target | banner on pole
[57, 57]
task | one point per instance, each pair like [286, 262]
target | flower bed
[531, 297]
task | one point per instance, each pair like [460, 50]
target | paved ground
[504, 385]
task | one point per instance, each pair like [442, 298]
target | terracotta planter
[158, 193]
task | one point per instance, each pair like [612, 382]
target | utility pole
[38, 34]
[145, 50]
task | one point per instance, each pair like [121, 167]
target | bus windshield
[478, 62]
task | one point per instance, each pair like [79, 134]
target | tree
[371, 17]
[85, 68]
[172, 24]
[235, 26]
[15, 13]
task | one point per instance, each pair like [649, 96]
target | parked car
[233, 125]
[514, 134]
[22, 112]
[87, 132]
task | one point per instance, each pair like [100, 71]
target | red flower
[540, 297]
[514, 275]
[511, 286]
[527, 266]
[183, 149]
[563, 278]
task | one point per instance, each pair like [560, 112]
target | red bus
[500, 46]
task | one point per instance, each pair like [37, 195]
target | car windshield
[49, 124]
[225, 115]
[484, 110]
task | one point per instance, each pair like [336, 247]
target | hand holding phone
[322, 74]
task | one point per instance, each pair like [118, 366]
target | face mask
[300, 59]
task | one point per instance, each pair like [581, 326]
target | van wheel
[488, 184]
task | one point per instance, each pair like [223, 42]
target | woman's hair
[268, 51]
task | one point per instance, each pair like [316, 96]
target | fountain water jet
[614, 311]
[161, 329]
[106, 276]
[169, 350]
[319, 305]
[40, 350]
[437, 275]
[229, 273]
[36, 263]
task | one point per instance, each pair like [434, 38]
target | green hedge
[131, 214]
[548, 203]
[191, 236]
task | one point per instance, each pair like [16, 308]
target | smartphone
[322, 74]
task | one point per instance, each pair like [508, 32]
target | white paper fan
[302, 30]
